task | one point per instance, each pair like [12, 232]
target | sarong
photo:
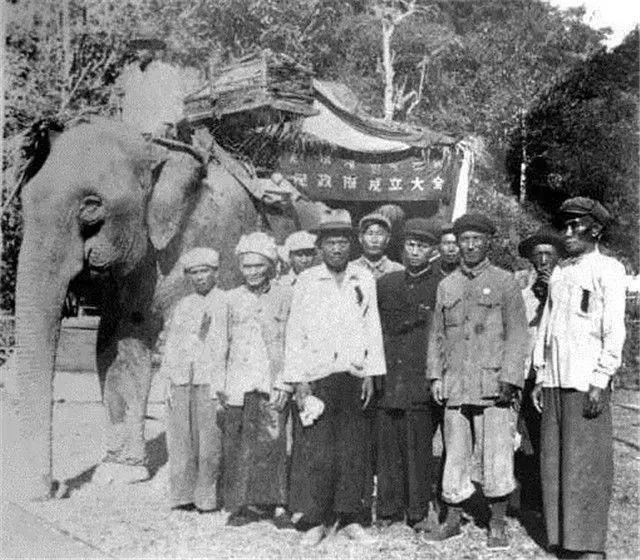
[576, 466]
[255, 454]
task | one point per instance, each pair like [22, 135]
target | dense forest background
[552, 112]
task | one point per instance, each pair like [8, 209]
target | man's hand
[507, 393]
[302, 391]
[278, 399]
[367, 391]
[593, 402]
[436, 391]
[536, 398]
[223, 398]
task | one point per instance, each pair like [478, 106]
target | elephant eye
[91, 214]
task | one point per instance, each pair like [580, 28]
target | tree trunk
[389, 73]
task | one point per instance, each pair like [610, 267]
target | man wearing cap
[406, 300]
[449, 252]
[193, 362]
[543, 249]
[374, 236]
[477, 348]
[578, 350]
[333, 350]
[255, 447]
[300, 249]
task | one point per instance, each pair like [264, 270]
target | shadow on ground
[156, 452]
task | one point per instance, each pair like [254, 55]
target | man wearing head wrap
[300, 249]
[543, 249]
[405, 463]
[374, 236]
[193, 362]
[577, 352]
[477, 348]
[255, 462]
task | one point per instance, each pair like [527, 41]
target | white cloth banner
[462, 189]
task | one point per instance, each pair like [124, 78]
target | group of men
[367, 357]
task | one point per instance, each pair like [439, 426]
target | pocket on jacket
[452, 312]
[490, 386]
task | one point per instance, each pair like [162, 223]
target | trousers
[480, 448]
[576, 465]
[405, 462]
[194, 440]
[330, 462]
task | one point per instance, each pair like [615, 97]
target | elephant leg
[127, 385]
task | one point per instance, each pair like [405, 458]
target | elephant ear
[176, 177]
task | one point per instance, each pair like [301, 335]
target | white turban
[200, 256]
[260, 243]
[298, 241]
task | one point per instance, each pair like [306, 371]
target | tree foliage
[582, 140]
[481, 64]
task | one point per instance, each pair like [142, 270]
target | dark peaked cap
[543, 236]
[473, 221]
[422, 228]
[582, 206]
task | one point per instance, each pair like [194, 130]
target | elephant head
[102, 198]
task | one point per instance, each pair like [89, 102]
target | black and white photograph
[320, 279]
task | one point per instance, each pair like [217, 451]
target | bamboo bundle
[254, 81]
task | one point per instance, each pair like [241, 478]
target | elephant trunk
[48, 262]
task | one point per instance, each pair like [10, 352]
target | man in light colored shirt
[333, 350]
[543, 250]
[193, 361]
[577, 352]
[300, 252]
[374, 236]
[255, 462]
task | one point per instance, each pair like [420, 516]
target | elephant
[121, 208]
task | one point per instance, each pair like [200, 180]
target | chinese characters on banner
[329, 177]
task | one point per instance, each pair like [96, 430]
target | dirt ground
[135, 520]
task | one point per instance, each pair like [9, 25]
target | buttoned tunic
[256, 326]
[380, 267]
[406, 305]
[582, 329]
[333, 327]
[196, 341]
[479, 334]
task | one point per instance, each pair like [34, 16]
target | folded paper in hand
[312, 408]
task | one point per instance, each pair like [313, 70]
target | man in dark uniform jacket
[405, 459]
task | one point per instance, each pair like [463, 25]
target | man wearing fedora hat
[333, 350]
[477, 349]
[542, 249]
[406, 299]
[577, 352]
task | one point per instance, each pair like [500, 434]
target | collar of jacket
[413, 276]
[375, 265]
[350, 272]
[476, 270]
[575, 260]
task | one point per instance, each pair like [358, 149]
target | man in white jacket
[333, 349]
[193, 362]
[578, 350]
